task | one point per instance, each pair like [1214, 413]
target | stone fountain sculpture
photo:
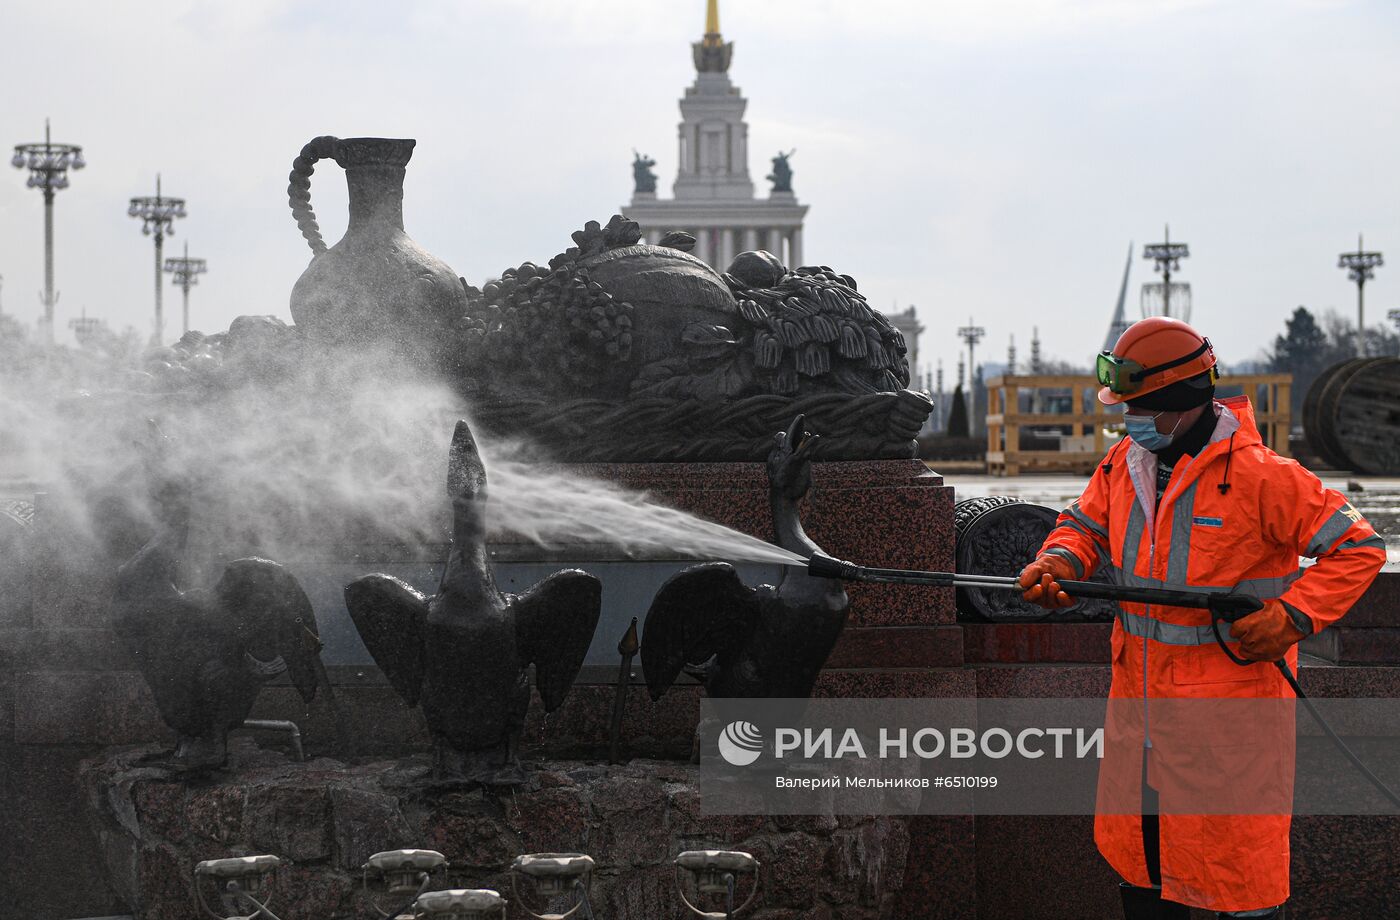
[376, 287]
[463, 654]
[769, 641]
[615, 351]
[619, 351]
[207, 652]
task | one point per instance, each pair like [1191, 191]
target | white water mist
[547, 506]
[338, 454]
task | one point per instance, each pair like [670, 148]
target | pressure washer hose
[1223, 607]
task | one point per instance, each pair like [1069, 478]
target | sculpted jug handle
[299, 188]
[376, 286]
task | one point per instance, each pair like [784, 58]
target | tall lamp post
[1168, 256]
[1361, 267]
[971, 334]
[157, 217]
[185, 272]
[48, 164]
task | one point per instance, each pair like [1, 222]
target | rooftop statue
[463, 654]
[781, 176]
[206, 653]
[643, 179]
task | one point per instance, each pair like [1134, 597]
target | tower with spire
[713, 192]
[1119, 324]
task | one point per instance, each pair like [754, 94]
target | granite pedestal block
[890, 513]
[1370, 631]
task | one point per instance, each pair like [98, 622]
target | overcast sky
[989, 158]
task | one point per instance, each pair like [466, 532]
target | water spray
[1224, 607]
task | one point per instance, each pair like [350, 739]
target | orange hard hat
[1151, 354]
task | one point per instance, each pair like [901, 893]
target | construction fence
[1056, 424]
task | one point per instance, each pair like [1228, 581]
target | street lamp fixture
[716, 872]
[85, 328]
[185, 272]
[48, 164]
[554, 875]
[971, 334]
[239, 881]
[157, 215]
[1360, 267]
[1167, 256]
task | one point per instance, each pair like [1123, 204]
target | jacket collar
[1234, 417]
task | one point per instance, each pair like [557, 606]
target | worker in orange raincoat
[1192, 498]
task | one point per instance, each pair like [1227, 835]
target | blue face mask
[1143, 430]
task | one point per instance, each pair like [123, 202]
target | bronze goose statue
[206, 653]
[463, 654]
[740, 641]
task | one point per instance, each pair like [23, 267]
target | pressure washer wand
[1228, 605]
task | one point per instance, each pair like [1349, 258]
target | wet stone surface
[324, 818]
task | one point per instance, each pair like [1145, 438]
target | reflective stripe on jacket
[1238, 517]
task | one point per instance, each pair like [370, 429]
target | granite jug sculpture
[376, 287]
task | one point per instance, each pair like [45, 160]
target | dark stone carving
[712, 54]
[781, 176]
[769, 641]
[206, 653]
[997, 534]
[692, 363]
[463, 654]
[615, 350]
[643, 179]
[376, 286]
[811, 329]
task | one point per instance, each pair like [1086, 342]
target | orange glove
[1267, 634]
[1042, 578]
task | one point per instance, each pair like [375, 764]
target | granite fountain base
[324, 818]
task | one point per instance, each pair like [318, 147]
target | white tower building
[714, 194]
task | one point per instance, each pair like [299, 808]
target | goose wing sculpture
[463, 654]
[742, 641]
[206, 653]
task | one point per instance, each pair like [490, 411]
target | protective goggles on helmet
[1124, 376]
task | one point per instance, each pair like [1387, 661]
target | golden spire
[712, 18]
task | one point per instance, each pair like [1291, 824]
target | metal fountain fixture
[157, 214]
[402, 874]
[716, 873]
[240, 882]
[460, 904]
[627, 648]
[48, 164]
[555, 875]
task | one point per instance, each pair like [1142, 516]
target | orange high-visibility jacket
[1237, 516]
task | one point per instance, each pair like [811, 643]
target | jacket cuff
[1066, 553]
[1299, 618]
